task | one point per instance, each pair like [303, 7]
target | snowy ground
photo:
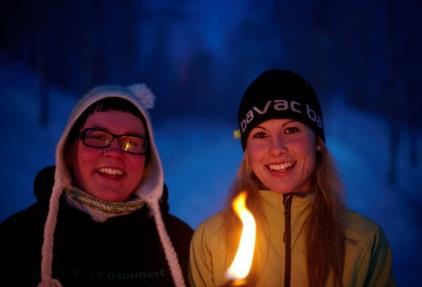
[200, 158]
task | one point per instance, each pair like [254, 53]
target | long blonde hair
[325, 239]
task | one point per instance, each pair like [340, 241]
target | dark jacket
[123, 251]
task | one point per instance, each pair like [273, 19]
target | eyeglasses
[98, 138]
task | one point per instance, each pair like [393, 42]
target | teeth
[110, 171]
[282, 166]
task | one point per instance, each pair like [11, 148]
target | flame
[242, 261]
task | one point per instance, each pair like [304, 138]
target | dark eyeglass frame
[83, 138]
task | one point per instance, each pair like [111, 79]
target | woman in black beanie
[305, 234]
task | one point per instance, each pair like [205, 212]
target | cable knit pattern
[48, 244]
[50, 283]
[169, 251]
[100, 210]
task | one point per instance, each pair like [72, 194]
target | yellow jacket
[368, 260]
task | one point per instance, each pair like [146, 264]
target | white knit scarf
[100, 210]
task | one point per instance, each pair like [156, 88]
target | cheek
[309, 158]
[80, 160]
[83, 158]
[138, 166]
[310, 166]
[77, 165]
[254, 158]
[254, 152]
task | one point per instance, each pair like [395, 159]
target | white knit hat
[150, 189]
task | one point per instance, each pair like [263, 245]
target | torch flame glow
[242, 261]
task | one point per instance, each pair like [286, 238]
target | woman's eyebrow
[288, 122]
[260, 127]
[128, 133]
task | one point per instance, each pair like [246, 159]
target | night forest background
[198, 56]
[362, 57]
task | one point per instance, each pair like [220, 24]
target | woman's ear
[318, 148]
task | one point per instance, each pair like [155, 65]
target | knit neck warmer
[100, 210]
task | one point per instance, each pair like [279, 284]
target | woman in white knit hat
[101, 218]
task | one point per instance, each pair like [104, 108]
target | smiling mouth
[281, 167]
[110, 171]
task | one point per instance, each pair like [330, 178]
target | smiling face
[108, 173]
[282, 155]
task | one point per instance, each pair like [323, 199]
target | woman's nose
[278, 145]
[114, 147]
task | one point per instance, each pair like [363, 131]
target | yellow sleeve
[374, 268]
[200, 260]
[380, 271]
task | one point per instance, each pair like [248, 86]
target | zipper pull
[287, 200]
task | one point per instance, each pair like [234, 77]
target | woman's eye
[291, 130]
[95, 137]
[259, 135]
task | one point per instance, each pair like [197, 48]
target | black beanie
[277, 94]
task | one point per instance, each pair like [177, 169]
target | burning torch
[239, 269]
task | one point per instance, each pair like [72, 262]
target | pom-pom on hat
[279, 94]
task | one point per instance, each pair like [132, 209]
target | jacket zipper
[287, 238]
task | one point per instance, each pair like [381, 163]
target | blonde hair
[325, 240]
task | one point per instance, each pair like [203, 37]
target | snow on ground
[200, 159]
